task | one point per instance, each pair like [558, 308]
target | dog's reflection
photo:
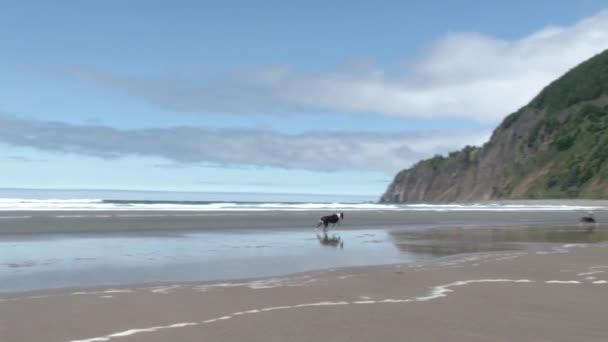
[333, 241]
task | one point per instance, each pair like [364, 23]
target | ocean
[128, 200]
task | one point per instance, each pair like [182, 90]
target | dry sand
[560, 295]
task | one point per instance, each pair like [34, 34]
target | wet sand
[51, 222]
[46, 261]
[31, 262]
[560, 294]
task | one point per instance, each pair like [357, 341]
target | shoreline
[457, 257]
[340, 269]
[245, 248]
[462, 296]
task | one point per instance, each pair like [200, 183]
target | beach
[430, 275]
[554, 296]
[144, 221]
[285, 171]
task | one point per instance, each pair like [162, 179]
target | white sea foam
[275, 308]
[118, 291]
[573, 245]
[590, 273]
[436, 292]
[261, 284]
[441, 290]
[165, 289]
[562, 282]
[16, 204]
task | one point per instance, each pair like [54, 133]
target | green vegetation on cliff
[586, 82]
[576, 158]
[555, 147]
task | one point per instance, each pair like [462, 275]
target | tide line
[435, 293]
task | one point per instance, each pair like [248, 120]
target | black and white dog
[330, 219]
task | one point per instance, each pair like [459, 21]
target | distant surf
[28, 204]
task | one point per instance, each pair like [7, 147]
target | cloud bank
[462, 75]
[318, 151]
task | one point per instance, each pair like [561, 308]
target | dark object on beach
[330, 219]
[333, 241]
[588, 220]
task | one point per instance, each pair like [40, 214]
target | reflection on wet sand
[449, 241]
[333, 241]
[73, 260]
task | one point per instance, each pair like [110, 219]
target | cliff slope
[554, 147]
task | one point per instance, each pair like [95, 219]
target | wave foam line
[562, 282]
[17, 204]
[590, 273]
[436, 292]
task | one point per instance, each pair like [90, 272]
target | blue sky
[326, 97]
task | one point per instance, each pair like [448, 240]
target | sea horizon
[180, 195]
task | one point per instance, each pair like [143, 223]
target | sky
[321, 97]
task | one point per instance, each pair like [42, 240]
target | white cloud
[462, 75]
[318, 151]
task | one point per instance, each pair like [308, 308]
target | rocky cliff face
[555, 147]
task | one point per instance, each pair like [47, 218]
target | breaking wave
[18, 204]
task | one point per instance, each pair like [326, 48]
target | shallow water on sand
[51, 261]
[444, 242]
[32, 262]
